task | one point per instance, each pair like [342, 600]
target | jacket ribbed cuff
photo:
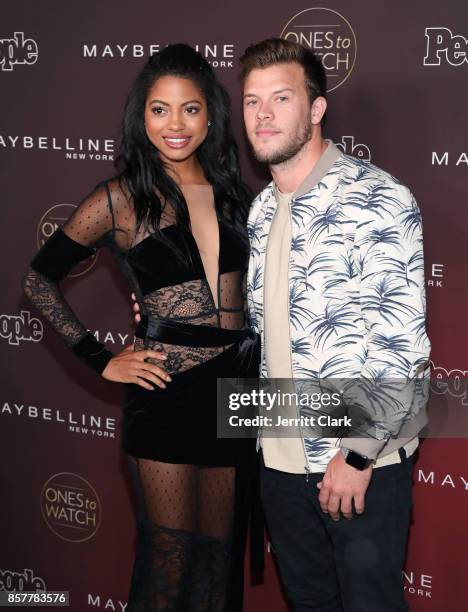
[93, 353]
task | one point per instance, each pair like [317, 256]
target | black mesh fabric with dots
[191, 514]
[190, 547]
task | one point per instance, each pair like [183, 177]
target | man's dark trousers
[351, 565]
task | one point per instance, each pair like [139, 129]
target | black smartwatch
[360, 462]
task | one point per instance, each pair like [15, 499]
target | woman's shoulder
[118, 199]
[116, 189]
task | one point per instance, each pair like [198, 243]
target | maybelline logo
[450, 382]
[446, 159]
[97, 149]
[85, 424]
[349, 147]
[97, 601]
[442, 480]
[443, 45]
[436, 276]
[417, 584]
[17, 50]
[15, 328]
[218, 55]
[330, 35]
[21, 581]
[111, 337]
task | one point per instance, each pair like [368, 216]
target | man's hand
[342, 484]
[129, 366]
[136, 309]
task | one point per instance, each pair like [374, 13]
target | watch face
[356, 460]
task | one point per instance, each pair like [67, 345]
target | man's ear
[317, 110]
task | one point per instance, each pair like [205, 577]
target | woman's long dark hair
[142, 169]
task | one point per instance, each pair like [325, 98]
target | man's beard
[290, 149]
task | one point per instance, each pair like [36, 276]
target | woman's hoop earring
[209, 123]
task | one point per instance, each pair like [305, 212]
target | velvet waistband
[186, 334]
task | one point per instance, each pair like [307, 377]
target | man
[335, 288]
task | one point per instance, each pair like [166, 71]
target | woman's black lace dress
[192, 488]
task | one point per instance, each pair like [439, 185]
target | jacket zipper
[262, 336]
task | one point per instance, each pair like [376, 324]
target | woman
[175, 220]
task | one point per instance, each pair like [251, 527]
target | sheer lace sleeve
[75, 240]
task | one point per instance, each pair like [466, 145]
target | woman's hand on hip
[129, 366]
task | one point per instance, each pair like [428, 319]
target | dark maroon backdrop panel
[398, 76]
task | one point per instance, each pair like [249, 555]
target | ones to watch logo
[71, 507]
[442, 44]
[330, 36]
[17, 50]
[51, 220]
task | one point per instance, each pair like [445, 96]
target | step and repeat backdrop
[398, 88]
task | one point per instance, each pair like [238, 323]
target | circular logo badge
[51, 220]
[330, 36]
[70, 507]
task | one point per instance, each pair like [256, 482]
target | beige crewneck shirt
[286, 454]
